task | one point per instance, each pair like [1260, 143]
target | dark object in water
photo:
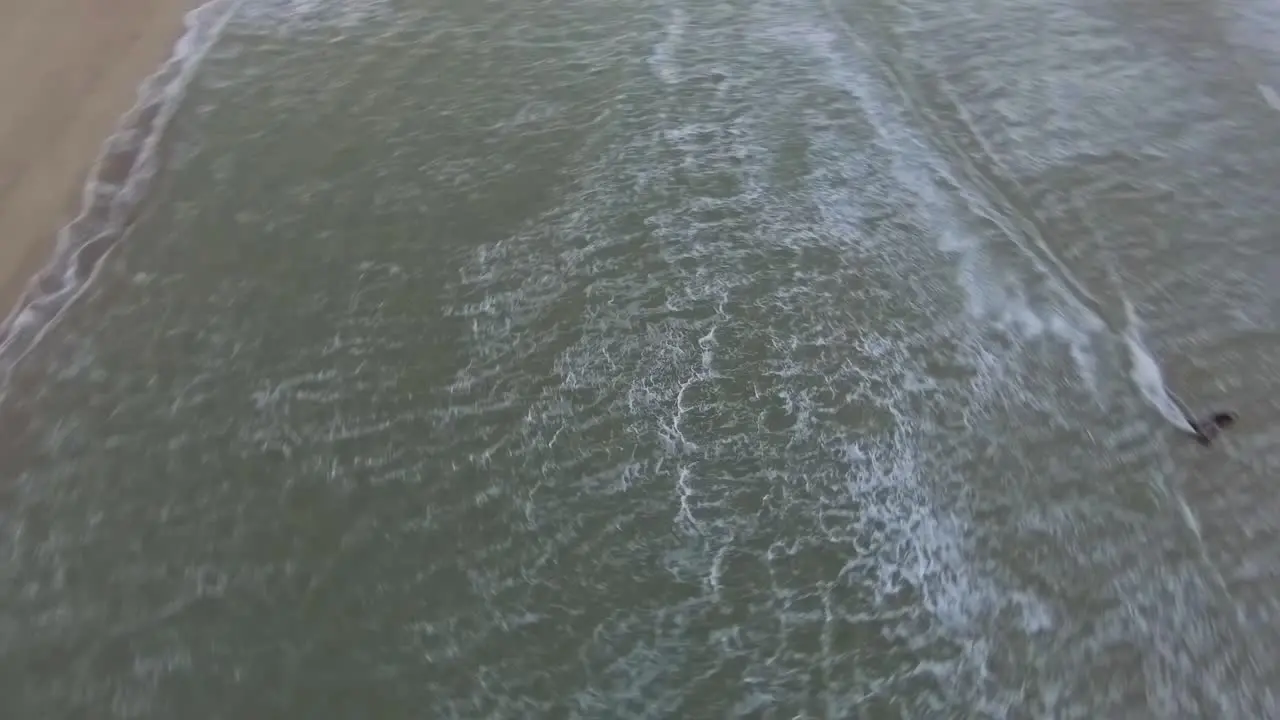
[1208, 428]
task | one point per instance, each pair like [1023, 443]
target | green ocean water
[681, 359]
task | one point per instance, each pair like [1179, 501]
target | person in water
[1208, 428]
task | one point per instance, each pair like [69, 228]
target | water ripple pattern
[683, 360]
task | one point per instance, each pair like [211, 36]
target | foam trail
[1270, 96]
[117, 183]
[663, 60]
[1146, 375]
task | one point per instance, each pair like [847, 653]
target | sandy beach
[69, 69]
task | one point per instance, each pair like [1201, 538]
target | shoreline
[70, 72]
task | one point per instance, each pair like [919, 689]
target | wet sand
[69, 69]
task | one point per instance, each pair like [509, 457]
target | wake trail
[1026, 235]
[1144, 370]
[1145, 373]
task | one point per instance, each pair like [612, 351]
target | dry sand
[69, 69]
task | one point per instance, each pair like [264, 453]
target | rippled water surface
[672, 359]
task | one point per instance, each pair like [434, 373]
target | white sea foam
[663, 59]
[108, 203]
[994, 295]
[1269, 95]
[1146, 375]
[713, 335]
